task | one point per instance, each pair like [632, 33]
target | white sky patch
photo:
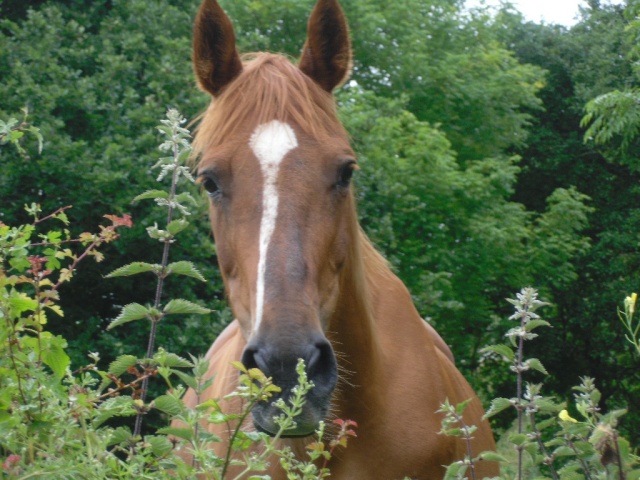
[563, 12]
[270, 143]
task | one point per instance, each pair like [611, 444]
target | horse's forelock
[269, 88]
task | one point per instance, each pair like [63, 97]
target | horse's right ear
[215, 59]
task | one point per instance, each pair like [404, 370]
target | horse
[301, 276]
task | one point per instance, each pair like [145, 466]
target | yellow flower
[564, 416]
[632, 303]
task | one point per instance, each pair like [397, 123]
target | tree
[583, 62]
[612, 117]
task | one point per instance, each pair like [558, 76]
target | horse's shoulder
[395, 299]
[229, 336]
[440, 343]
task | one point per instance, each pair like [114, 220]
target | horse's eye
[345, 173]
[211, 186]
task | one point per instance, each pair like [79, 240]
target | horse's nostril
[251, 358]
[321, 354]
[314, 359]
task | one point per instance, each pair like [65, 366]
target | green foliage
[557, 445]
[94, 74]
[13, 131]
[614, 114]
[612, 117]
[590, 59]
[631, 326]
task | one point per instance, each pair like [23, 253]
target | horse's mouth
[300, 430]
[287, 433]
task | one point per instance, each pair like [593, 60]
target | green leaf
[187, 379]
[535, 324]
[62, 217]
[172, 360]
[56, 359]
[51, 349]
[169, 405]
[536, 365]
[160, 445]
[492, 457]
[563, 451]
[186, 197]
[122, 364]
[217, 417]
[177, 226]
[455, 471]
[184, 433]
[133, 269]
[518, 438]
[497, 405]
[185, 268]
[179, 305]
[460, 408]
[151, 194]
[120, 435]
[131, 312]
[115, 407]
[20, 302]
[502, 350]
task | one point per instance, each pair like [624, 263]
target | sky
[551, 11]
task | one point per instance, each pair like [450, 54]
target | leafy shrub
[557, 445]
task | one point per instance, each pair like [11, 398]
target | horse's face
[281, 209]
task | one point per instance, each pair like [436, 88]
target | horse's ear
[326, 56]
[215, 59]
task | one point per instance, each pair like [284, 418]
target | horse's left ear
[326, 56]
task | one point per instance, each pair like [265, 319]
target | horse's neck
[354, 327]
[376, 318]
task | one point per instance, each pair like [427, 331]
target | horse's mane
[269, 88]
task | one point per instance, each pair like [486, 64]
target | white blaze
[270, 143]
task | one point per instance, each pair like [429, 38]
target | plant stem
[159, 287]
[104, 396]
[585, 467]
[621, 474]
[543, 449]
[75, 263]
[60, 210]
[245, 414]
[14, 338]
[519, 394]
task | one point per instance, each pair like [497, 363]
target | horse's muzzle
[278, 360]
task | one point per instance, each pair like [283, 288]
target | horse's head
[277, 164]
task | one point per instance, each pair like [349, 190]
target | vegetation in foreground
[57, 423]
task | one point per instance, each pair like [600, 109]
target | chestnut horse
[302, 278]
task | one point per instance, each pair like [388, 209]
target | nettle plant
[545, 441]
[55, 422]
